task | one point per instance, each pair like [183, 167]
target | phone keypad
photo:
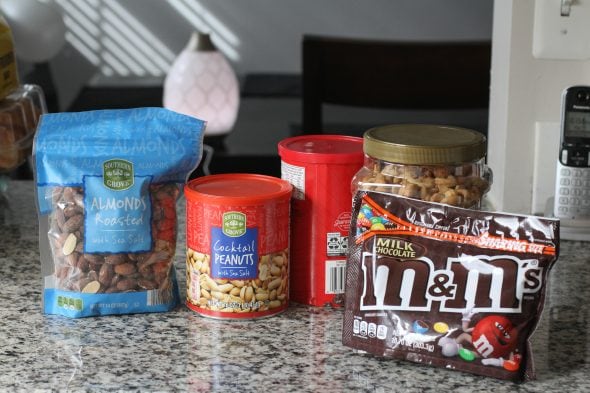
[573, 193]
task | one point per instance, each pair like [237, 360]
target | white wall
[141, 37]
[136, 41]
[270, 31]
[524, 110]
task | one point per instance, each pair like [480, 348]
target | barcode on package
[157, 297]
[335, 276]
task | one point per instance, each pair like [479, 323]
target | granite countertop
[299, 350]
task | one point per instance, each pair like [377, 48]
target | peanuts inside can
[237, 245]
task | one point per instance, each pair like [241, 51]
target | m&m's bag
[445, 286]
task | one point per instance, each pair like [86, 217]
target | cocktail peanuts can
[237, 232]
[320, 167]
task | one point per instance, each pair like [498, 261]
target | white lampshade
[38, 28]
[202, 83]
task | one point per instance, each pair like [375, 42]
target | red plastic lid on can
[322, 149]
[237, 188]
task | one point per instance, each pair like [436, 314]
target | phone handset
[572, 185]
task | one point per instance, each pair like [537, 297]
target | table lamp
[201, 83]
[38, 29]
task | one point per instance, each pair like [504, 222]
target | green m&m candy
[466, 355]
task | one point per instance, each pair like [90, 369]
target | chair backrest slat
[393, 75]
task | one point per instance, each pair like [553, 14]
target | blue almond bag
[107, 186]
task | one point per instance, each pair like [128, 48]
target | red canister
[237, 233]
[320, 167]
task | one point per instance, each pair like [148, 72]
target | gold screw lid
[424, 144]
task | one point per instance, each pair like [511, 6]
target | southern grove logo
[234, 224]
[118, 174]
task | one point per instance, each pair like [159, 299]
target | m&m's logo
[483, 283]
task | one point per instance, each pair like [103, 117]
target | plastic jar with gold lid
[428, 162]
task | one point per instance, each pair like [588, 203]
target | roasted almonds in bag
[107, 186]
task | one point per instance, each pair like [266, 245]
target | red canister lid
[237, 188]
[322, 149]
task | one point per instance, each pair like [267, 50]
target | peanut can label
[237, 257]
[234, 249]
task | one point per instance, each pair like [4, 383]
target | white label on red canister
[335, 276]
[336, 244]
[296, 176]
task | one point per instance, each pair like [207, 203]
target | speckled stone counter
[299, 350]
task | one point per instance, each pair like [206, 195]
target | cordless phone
[572, 185]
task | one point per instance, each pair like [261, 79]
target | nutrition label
[296, 176]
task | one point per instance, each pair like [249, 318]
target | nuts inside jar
[460, 186]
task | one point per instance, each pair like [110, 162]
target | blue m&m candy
[367, 212]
